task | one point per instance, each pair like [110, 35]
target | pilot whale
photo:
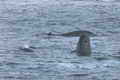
[83, 46]
[26, 48]
[77, 33]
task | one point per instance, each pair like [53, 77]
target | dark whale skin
[77, 33]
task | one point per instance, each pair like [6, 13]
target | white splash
[26, 46]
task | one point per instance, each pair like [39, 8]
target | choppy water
[26, 22]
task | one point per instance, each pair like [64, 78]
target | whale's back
[78, 33]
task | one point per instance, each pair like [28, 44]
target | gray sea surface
[27, 23]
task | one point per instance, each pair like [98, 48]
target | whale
[77, 33]
[83, 46]
[27, 48]
[71, 34]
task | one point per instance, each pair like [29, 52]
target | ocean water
[27, 23]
